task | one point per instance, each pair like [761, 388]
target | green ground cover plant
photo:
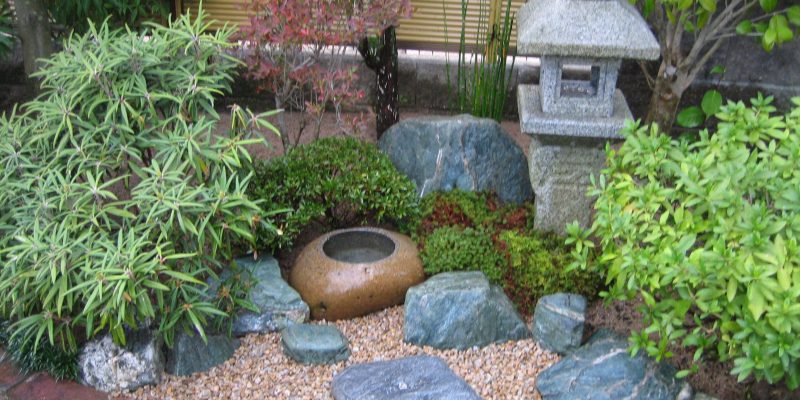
[706, 232]
[453, 248]
[468, 231]
[117, 199]
[337, 182]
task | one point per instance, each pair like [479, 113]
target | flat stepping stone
[604, 370]
[459, 310]
[410, 378]
[315, 344]
[558, 321]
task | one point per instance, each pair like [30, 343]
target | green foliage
[694, 116]
[80, 14]
[338, 182]
[7, 39]
[773, 23]
[707, 233]
[538, 267]
[470, 209]
[117, 197]
[483, 80]
[58, 363]
[460, 231]
[461, 249]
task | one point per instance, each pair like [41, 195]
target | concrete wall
[423, 79]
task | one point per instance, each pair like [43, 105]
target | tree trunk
[383, 60]
[666, 96]
[33, 28]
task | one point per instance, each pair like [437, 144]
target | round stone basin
[353, 272]
[358, 247]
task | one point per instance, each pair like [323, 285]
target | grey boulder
[279, 305]
[558, 321]
[604, 370]
[459, 310]
[107, 367]
[315, 344]
[189, 354]
[463, 152]
[410, 378]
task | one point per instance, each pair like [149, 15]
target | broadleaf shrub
[338, 182]
[706, 232]
[117, 197]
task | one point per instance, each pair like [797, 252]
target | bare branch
[651, 81]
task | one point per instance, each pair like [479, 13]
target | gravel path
[259, 370]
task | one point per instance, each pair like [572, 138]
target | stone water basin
[348, 273]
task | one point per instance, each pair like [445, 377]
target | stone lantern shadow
[576, 109]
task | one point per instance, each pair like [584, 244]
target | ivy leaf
[709, 5]
[768, 40]
[691, 117]
[768, 5]
[755, 302]
[733, 285]
[783, 32]
[744, 27]
[793, 14]
[712, 101]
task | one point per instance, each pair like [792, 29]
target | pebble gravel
[260, 370]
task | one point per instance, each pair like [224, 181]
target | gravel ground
[259, 370]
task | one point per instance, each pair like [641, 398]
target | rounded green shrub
[339, 182]
[537, 266]
[455, 248]
[708, 234]
[118, 196]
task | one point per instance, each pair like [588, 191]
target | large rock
[410, 378]
[279, 305]
[558, 321]
[463, 152]
[189, 354]
[460, 310]
[315, 344]
[105, 366]
[603, 369]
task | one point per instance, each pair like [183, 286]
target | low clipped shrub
[338, 182]
[117, 198]
[537, 266]
[454, 248]
[708, 234]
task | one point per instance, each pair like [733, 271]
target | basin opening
[358, 247]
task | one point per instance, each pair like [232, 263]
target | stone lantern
[576, 109]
